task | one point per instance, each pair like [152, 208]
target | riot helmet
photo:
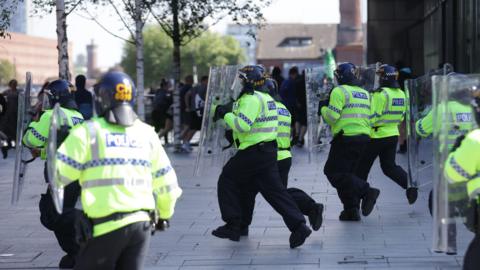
[270, 87]
[346, 73]
[115, 98]
[61, 91]
[388, 76]
[464, 87]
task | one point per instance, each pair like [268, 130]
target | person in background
[8, 123]
[195, 100]
[83, 98]
[288, 94]
[277, 75]
[161, 115]
[185, 115]
[404, 73]
[300, 110]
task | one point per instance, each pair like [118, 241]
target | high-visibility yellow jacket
[254, 119]
[348, 110]
[389, 108]
[463, 165]
[36, 135]
[284, 130]
[120, 169]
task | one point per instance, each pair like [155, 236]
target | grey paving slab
[395, 236]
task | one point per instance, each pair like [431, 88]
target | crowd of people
[192, 101]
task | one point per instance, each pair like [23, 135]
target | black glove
[229, 136]
[83, 228]
[162, 224]
[471, 216]
[323, 103]
[221, 110]
[458, 142]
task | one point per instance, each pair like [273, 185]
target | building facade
[425, 34]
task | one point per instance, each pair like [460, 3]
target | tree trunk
[139, 59]
[62, 41]
[177, 125]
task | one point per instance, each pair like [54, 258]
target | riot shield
[58, 129]
[222, 88]
[418, 94]
[317, 87]
[368, 77]
[453, 117]
[23, 155]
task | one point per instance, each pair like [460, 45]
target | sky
[82, 30]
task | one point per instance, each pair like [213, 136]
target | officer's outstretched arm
[165, 185]
[242, 120]
[463, 164]
[36, 134]
[424, 126]
[72, 155]
[332, 112]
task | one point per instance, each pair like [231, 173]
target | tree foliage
[7, 10]
[7, 71]
[210, 49]
[195, 17]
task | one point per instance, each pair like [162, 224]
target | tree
[7, 10]
[210, 49]
[63, 8]
[7, 71]
[185, 20]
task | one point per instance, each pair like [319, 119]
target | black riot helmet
[388, 76]
[252, 77]
[115, 98]
[346, 73]
[61, 91]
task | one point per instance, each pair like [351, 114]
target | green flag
[329, 64]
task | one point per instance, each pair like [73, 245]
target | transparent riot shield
[368, 77]
[23, 155]
[418, 94]
[453, 117]
[317, 87]
[212, 147]
[58, 130]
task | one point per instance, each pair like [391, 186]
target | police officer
[254, 121]
[125, 177]
[463, 166]
[305, 203]
[36, 135]
[388, 109]
[348, 113]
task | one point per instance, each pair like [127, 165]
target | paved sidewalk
[394, 236]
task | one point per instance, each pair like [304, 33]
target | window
[296, 42]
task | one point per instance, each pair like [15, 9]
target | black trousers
[472, 260]
[386, 150]
[61, 224]
[122, 249]
[343, 158]
[304, 202]
[251, 170]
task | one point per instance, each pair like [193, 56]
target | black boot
[297, 238]
[244, 231]
[315, 216]
[5, 152]
[352, 214]
[227, 231]
[67, 262]
[369, 200]
[412, 194]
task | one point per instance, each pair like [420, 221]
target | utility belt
[262, 146]
[84, 225]
[350, 139]
[284, 148]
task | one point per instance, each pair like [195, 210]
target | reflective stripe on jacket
[120, 169]
[348, 110]
[463, 165]
[254, 119]
[389, 108]
[284, 130]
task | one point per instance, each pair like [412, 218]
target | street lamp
[14, 61]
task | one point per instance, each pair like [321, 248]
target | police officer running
[462, 169]
[254, 121]
[35, 137]
[305, 203]
[388, 106]
[126, 178]
[348, 113]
